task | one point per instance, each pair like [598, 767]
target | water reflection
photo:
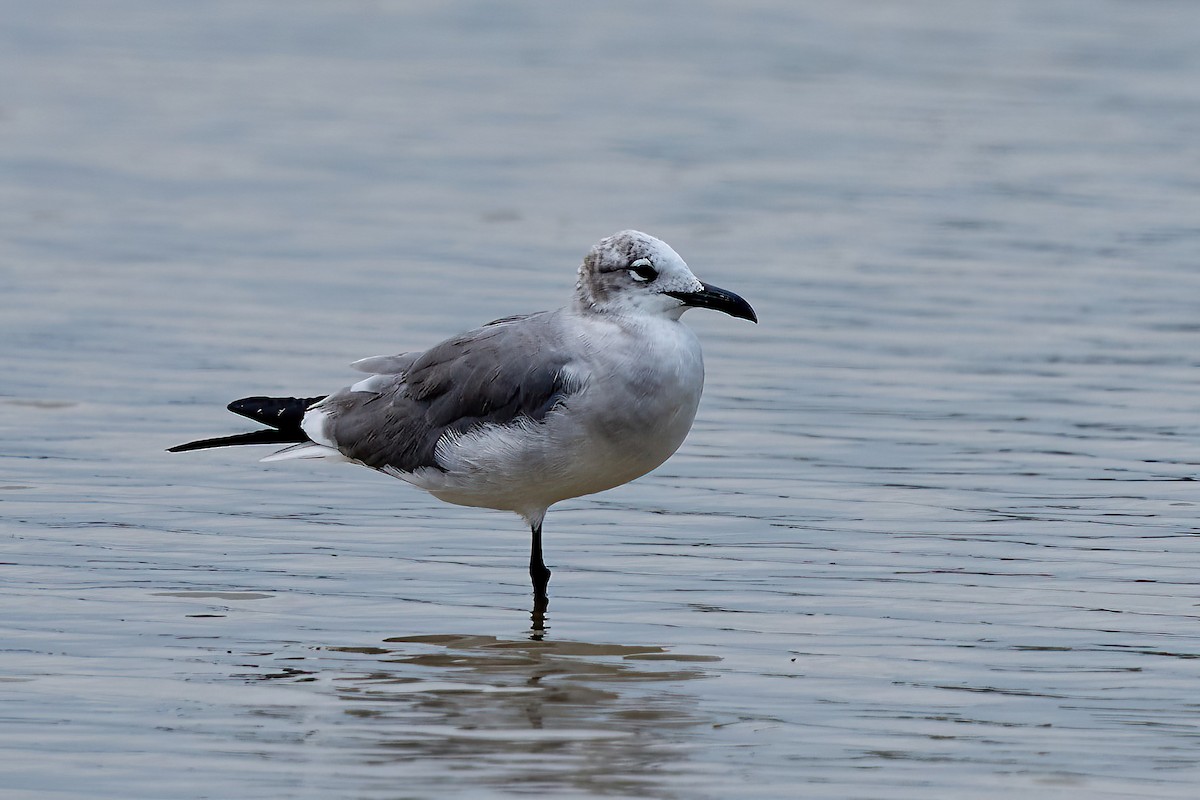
[542, 715]
[537, 617]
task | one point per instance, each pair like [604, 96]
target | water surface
[933, 535]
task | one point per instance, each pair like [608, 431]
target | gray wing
[511, 368]
[386, 365]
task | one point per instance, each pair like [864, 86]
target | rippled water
[935, 531]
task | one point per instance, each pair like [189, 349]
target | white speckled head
[630, 273]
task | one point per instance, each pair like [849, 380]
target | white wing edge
[385, 365]
[305, 450]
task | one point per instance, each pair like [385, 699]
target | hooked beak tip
[717, 299]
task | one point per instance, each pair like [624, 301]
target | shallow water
[933, 535]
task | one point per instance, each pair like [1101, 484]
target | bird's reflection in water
[542, 715]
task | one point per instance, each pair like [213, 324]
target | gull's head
[632, 273]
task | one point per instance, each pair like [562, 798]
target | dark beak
[717, 299]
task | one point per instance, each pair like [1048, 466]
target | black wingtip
[271, 436]
[284, 413]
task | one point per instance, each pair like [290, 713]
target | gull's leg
[538, 574]
[537, 567]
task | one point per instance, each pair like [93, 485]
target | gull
[526, 411]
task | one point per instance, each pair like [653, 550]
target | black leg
[537, 567]
[540, 577]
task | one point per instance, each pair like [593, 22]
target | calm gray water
[934, 534]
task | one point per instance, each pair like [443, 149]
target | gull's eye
[642, 271]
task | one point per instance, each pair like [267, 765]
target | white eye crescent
[642, 270]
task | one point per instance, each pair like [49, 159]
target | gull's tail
[282, 414]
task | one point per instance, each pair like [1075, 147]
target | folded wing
[509, 370]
